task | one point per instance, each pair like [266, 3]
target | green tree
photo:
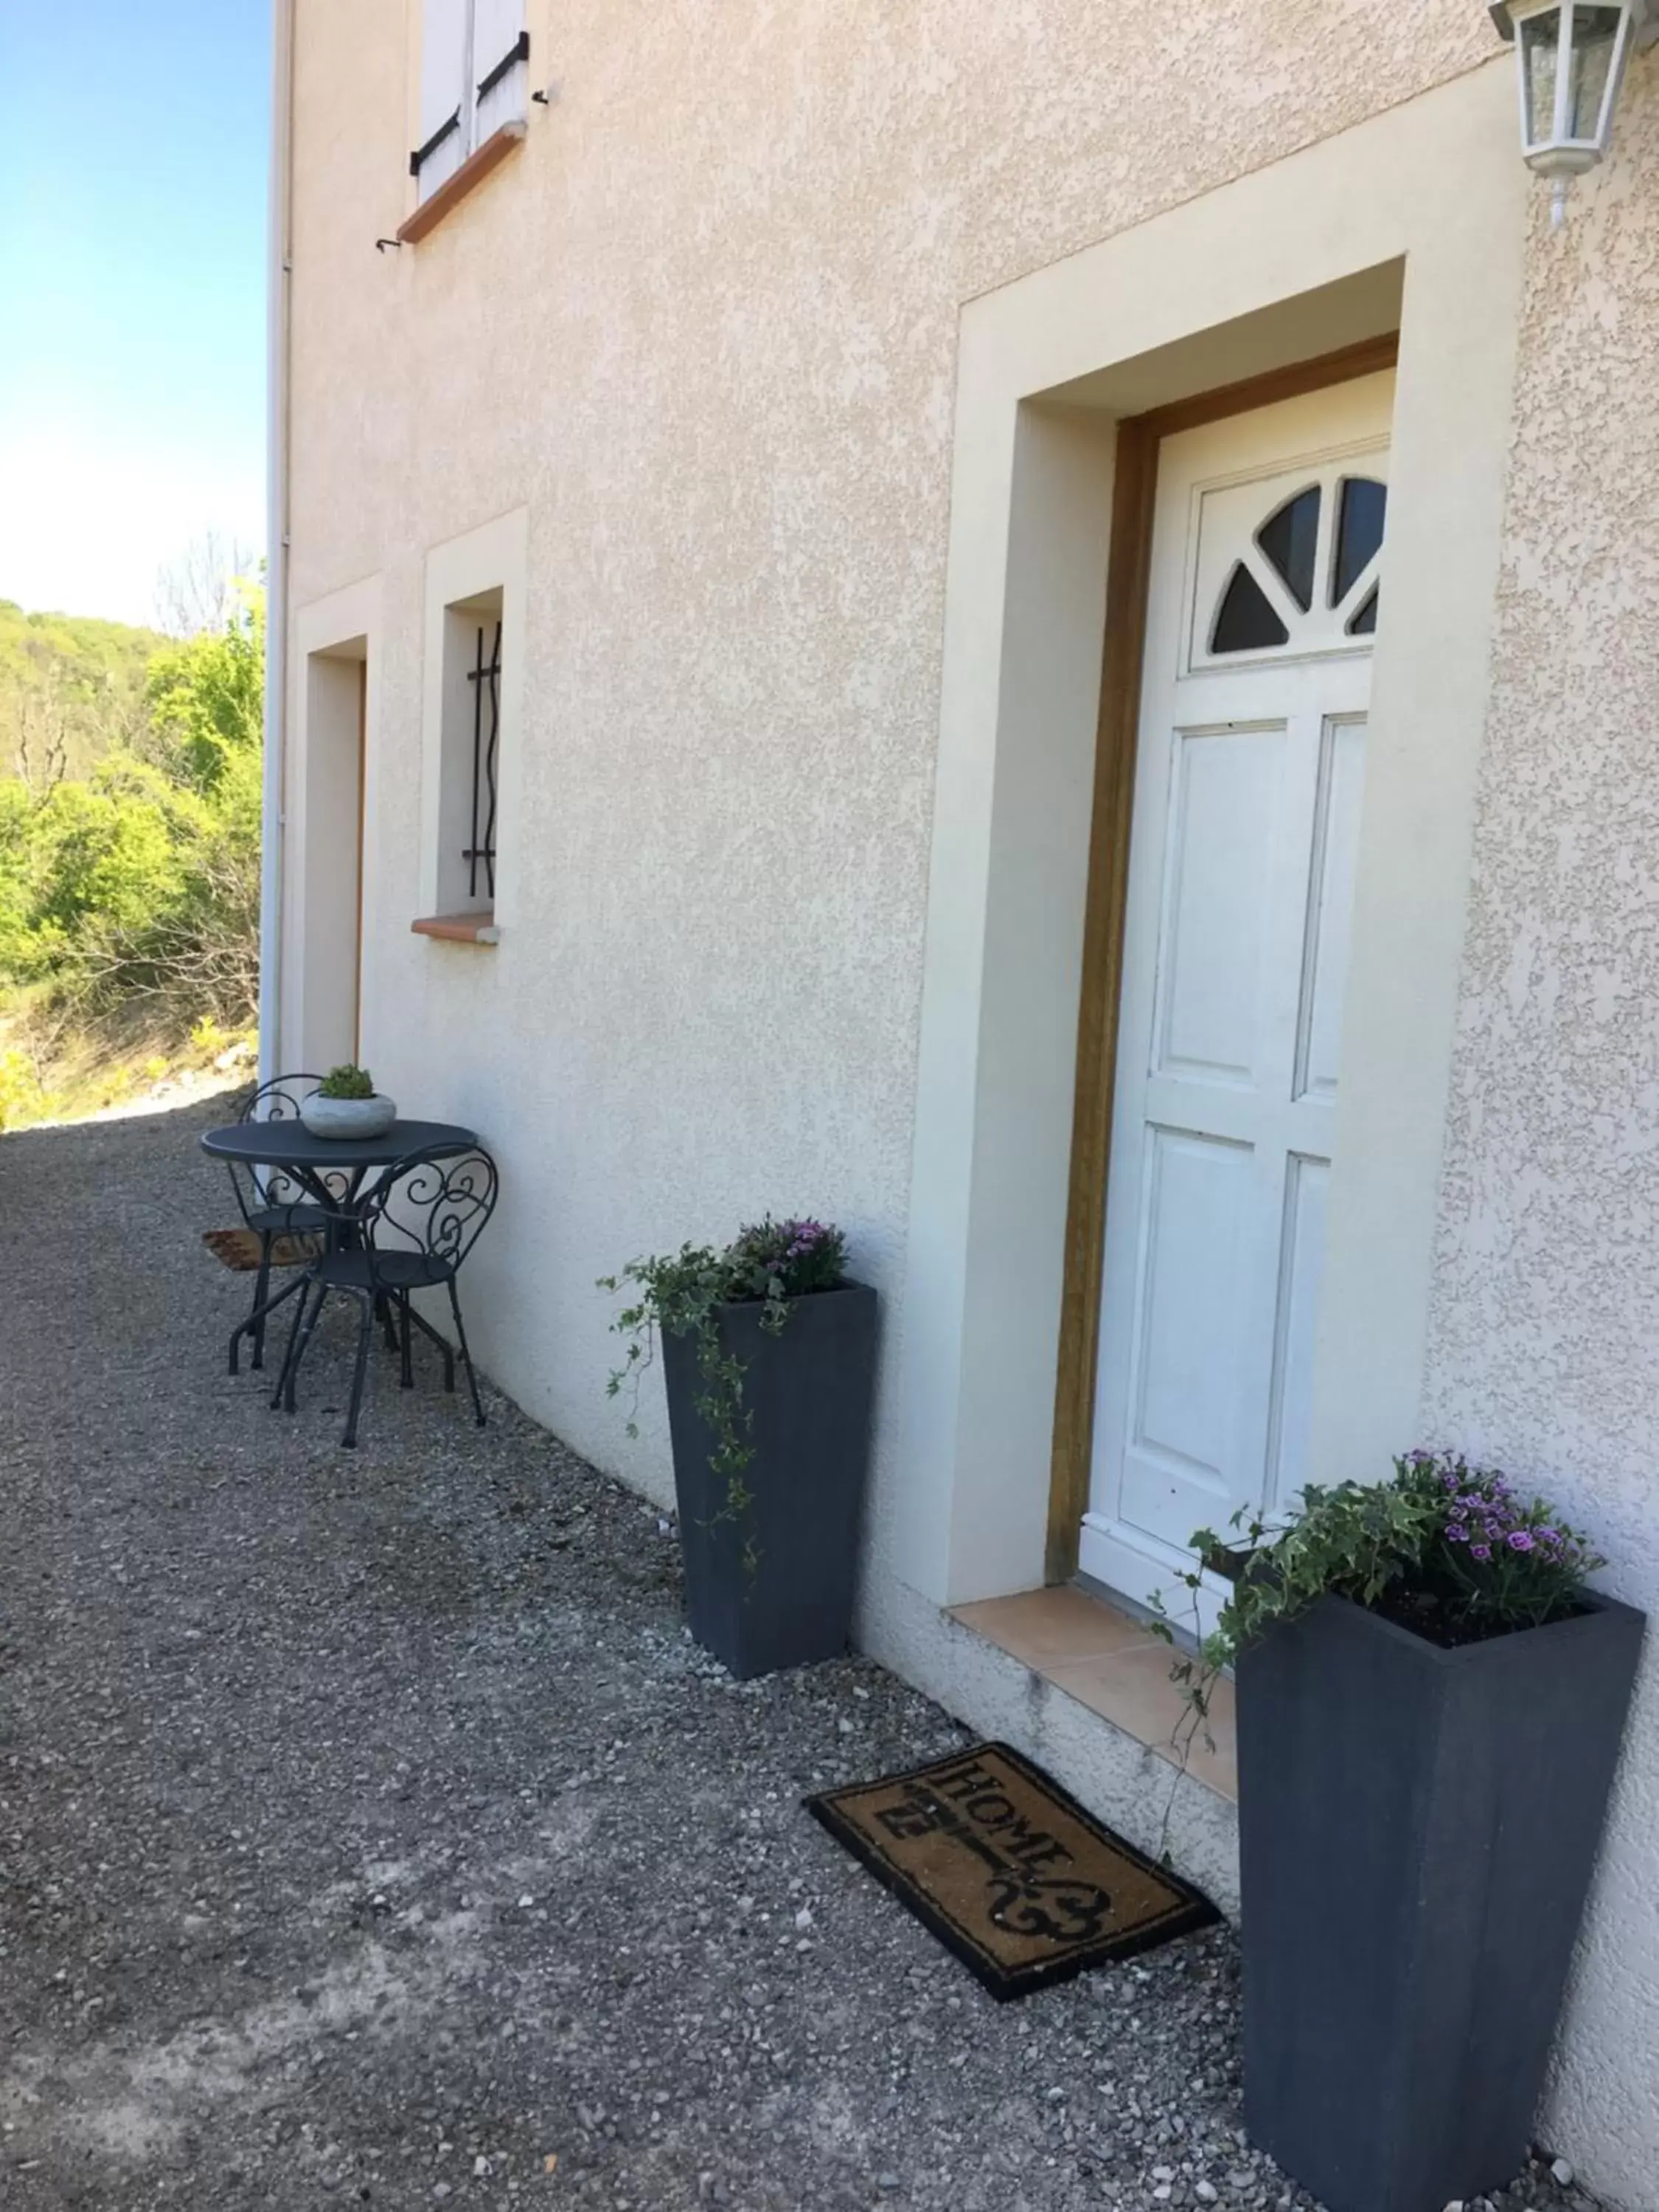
[205, 697]
[70, 688]
[140, 879]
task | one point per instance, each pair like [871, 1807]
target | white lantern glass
[1541, 66]
[1597, 41]
[1572, 57]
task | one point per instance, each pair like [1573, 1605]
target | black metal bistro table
[286, 1144]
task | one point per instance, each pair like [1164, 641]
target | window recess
[469, 772]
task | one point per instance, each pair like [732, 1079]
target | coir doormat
[239, 1248]
[1011, 1874]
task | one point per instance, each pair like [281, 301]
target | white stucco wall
[1544, 1350]
[709, 315]
[703, 329]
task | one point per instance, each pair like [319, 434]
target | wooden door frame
[1128, 581]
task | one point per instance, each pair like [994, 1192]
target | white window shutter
[501, 65]
[446, 95]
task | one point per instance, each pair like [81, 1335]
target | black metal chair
[412, 1231]
[272, 1205]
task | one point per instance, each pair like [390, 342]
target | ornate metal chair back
[279, 1100]
[435, 1203]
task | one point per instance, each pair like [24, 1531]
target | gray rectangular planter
[1418, 1828]
[809, 1389]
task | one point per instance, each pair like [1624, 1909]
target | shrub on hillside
[143, 879]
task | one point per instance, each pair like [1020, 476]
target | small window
[1306, 577]
[484, 680]
[469, 800]
[474, 73]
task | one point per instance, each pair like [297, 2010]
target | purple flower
[1519, 1540]
[1456, 1532]
[1480, 1551]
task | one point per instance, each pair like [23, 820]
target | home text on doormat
[1011, 1874]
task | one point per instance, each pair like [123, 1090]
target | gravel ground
[370, 1832]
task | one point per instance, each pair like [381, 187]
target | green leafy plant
[772, 1263]
[347, 1081]
[1445, 1549]
[129, 825]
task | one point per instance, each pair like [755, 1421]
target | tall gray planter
[809, 1389]
[1418, 1829]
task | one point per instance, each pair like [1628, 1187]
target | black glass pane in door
[1358, 531]
[1363, 622]
[1245, 622]
[1288, 537]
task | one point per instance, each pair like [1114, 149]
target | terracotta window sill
[1114, 1665]
[471, 174]
[459, 928]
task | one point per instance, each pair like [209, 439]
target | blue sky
[133, 141]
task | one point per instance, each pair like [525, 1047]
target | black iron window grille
[485, 677]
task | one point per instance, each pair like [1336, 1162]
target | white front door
[1249, 783]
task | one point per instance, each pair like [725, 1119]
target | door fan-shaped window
[1290, 539]
[1269, 599]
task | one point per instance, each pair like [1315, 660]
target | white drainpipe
[279, 278]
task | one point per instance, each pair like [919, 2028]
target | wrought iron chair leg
[299, 1348]
[365, 1333]
[295, 1328]
[466, 1356]
[254, 1325]
[387, 1308]
[445, 1349]
[406, 1333]
[262, 1313]
[261, 1291]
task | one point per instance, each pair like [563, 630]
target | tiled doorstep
[1115, 1666]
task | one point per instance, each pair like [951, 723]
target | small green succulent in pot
[345, 1105]
[347, 1080]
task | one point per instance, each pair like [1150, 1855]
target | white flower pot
[348, 1118]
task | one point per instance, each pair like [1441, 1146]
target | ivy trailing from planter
[770, 1262]
[1446, 1550]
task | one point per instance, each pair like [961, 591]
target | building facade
[1030, 628]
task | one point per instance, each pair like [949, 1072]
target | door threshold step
[1115, 1665]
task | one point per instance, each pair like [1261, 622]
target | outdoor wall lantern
[1570, 56]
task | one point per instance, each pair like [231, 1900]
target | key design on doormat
[1063, 1908]
[1023, 1883]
